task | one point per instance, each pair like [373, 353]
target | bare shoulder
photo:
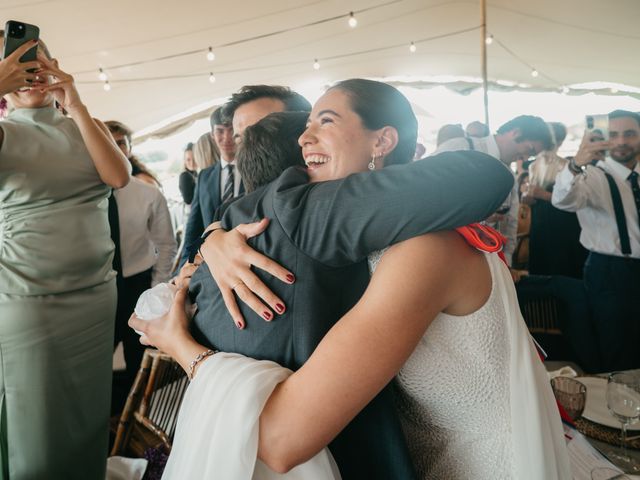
[445, 257]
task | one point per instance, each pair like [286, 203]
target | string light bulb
[212, 77]
[489, 39]
[210, 55]
[412, 47]
[106, 86]
[101, 75]
[565, 89]
[353, 21]
[316, 64]
[534, 73]
[614, 90]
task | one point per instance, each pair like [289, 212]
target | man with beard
[606, 198]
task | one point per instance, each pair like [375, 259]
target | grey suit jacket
[323, 233]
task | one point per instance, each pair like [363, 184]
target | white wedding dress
[474, 398]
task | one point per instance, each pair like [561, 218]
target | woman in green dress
[57, 287]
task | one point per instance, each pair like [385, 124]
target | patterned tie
[227, 194]
[635, 188]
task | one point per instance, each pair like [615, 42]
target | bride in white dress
[475, 399]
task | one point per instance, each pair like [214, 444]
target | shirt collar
[619, 170]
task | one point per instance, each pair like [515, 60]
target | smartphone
[598, 127]
[17, 34]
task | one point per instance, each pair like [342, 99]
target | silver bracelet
[197, 360]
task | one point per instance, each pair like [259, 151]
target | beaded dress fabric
[453, 394]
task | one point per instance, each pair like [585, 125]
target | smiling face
[624, 137]
[335, 143]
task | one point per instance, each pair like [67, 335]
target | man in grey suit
[323, 232]
[246, 107]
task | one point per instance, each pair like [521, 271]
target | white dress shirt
[509, 225]
[589, 196]
[146, 235]
[224, 174]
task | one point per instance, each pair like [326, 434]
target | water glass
[571, 394]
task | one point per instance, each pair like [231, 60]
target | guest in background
[205, 152]
[554, 241]
[145, 249]
[57, 286]
[122, 135]
[606, 198]
[188, 177]
[524, 135]
[447, 132]
[521, 253]
[478, 130]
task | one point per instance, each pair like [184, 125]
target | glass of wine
[623, 401]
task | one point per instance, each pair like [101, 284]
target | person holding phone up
[606, 198]
[57, 287]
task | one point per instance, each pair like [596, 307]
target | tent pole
[483, 57]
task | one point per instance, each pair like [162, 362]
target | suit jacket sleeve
[341, 222]
[195, 226]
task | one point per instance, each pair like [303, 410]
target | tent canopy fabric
[154, 53]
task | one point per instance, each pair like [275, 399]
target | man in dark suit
[246, 107]
[323, 232]
[215, 184]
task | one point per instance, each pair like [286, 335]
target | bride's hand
[230, 259]
[168, 333]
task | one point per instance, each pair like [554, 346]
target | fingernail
[279, 307]
[291, 278]
[240, 326]
[266, 315]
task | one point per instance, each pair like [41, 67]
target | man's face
[252, 112]
[223, 136]
[624, 138]
[512, 146]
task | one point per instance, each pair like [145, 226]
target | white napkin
[155, 302]
[122, 468]
[563, 372]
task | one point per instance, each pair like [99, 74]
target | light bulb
[353, 21]
[489, 39]
[534, 73]
[102, 76]
[316, 64]
[614, 90]
[212, 77]
[106, 86]
[412, 47]
[565, 89]
[210, 55]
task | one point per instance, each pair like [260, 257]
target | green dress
[57, 302]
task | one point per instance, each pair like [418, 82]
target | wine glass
[623, 401]
[571, 394]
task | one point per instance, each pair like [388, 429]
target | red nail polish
[240, 326]
[266, 315]
[290, 277]
[279, 307]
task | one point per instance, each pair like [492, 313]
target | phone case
[11, 43]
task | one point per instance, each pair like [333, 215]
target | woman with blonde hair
[205, 152]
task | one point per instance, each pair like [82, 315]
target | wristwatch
[575, 168]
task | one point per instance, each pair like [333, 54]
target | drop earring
[372, 163]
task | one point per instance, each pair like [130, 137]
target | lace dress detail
[453, 394]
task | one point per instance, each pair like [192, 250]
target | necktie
[635, 188]
[227, 193]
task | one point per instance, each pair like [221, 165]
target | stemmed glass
[571, 394]
[623, 401]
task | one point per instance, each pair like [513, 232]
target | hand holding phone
[14, 74]
[17, 34]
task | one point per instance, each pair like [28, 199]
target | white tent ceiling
[257, 41]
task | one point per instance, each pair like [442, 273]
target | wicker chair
[150, 413]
